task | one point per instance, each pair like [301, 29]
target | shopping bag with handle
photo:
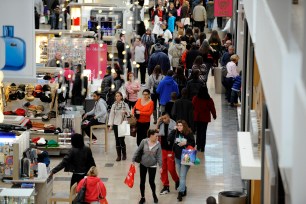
[129, 179]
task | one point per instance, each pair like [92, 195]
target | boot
[180, 196]
[155, 116]
[118, 148]
[123, 152]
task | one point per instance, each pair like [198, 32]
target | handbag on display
[189, 156]
[124, 129]
[80, 198]
[129, 179]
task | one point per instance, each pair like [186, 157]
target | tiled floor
[218, 171]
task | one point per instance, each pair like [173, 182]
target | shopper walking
[95, 188]
[151, 155]
[165, 125]
[176, 50]
[139, 57]
[143, 110]
[180, 78]
[117, 83]
[78, 161]
[152, 85]
[132, 87]
[79, 87]
[121, 48]
[180, 139]
[199, 16]
[148, 40]
[203, 69]
[165, 88]
[159, 58]
[106, 83]
[215, 42]
[203, 109]
[96, 116]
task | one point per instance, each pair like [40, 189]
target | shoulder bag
[80, 198]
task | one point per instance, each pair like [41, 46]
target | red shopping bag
[129, 179]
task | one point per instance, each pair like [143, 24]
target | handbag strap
[100, 192]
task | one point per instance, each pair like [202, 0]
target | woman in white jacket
[118, 112]
[157, 30]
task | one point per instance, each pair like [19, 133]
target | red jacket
[202, 109]
[94, 187]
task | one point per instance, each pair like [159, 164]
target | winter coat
[77, 97]
[132, 89]
[120, 48]
[190, 57]
[203, 109]
[78, 160]
[181, 82]
[159, 58]
[204, 70]
[165, 88]
[176, 51]
[174, 138]
[210, 10]
[95, 189]
[117, 112]
[106, 85]
[237, 83]
[193, 87]
[183, 110]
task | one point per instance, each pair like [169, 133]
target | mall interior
[254, 148]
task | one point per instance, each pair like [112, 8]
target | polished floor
[218, 171]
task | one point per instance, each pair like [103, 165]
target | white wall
[280, 64]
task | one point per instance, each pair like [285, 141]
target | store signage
[17, 59]
[223, 8]
[96, 60]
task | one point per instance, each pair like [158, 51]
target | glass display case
[17, 196]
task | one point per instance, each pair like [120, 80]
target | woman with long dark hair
[143, 110]
[203, 108]
[119, 110]
[78, 161]
[180, 78]
[215, 42]
[181, 138]
[203, 69]
[153, 82]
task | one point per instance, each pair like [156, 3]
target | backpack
[155, 84]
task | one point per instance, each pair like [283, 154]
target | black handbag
[80, 198]
[139, 156]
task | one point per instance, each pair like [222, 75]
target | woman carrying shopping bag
[148, 155]
[180, 139]
[118, 112]
[95, 189]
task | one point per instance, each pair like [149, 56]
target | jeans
[168, 164]
[210, 23]
[143, 174]
[119, 140]
[182, 171]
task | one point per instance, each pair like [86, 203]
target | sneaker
[142, 201]
[177, 184]
[165, 190]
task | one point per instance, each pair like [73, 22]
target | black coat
[190, 57]
[183, 110]
[78, 160]
[77, 98]
[176, 148]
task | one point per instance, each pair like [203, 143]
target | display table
[15, 195]
[43, 188]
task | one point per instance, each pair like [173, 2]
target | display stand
[20, 196]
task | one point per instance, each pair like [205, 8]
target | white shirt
[231, 70]
[140, 53]
[167, 35]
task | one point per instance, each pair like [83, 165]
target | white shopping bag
[124, 129]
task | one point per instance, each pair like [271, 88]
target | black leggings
[143, 175]
[142, 129]
[119, 140]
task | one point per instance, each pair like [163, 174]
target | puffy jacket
[237, 83]
[159, 58]
[95, 189]
[176, 52]
[193, 87]
[78, 160]
[106, 85]
[165, 88]
[203, 109]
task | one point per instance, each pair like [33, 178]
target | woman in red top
[95, 189]
[203, 106]
[143, 110]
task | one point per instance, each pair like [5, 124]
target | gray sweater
[149, 157]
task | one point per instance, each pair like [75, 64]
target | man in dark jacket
[159, 58]
[183, 109]
[120, 48]
[226, 57]
[106, 83]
